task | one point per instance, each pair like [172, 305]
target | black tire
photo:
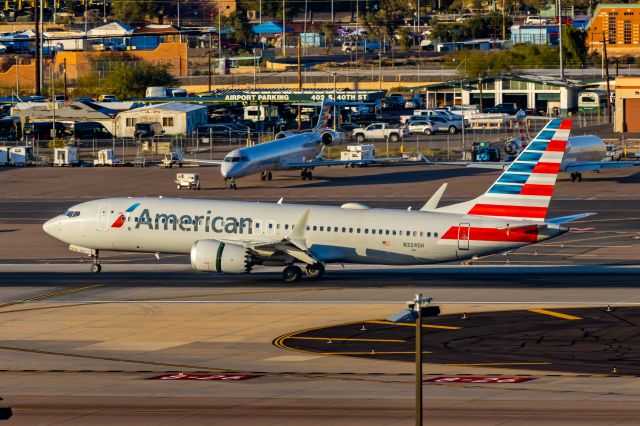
[315, 271]
[309, 175]
[269, 176]
[95, 268]
[453, 130]
[393, 137]
[573, 177]
[263, 176]
[291, 274]
[427, 132]
[360, 138]
[179, 187]
[579, 176]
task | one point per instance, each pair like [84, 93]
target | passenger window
[387, 232]
[421, 234]
[358, 230]
[428, 234]
[351, 230]
[270, 225]
[373, 231]
[344, 229]
[394, 232]
[315, 228]
[286, 226]
[335, 229]
[435, 234]
[366, 230]
[322, 228]
[415, 234]
[408, 233]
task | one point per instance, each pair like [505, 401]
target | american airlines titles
[196, 223]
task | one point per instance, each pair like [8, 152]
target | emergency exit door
[463, 236]
[103, 217]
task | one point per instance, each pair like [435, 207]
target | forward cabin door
[463, 236]
[103, 217]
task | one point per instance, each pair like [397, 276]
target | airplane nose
[50, 226]
[224, 170]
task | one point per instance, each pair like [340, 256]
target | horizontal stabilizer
[567, 219]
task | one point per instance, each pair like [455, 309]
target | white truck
[171, 158]
[614, 152]
[380, 131]
[188, 180]
[21, 156]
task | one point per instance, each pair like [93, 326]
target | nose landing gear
[232, 183]
[96, 267]
[576, 176]
[266, 176]
[306, 174]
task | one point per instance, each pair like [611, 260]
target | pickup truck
[380, 131]
[508, 108]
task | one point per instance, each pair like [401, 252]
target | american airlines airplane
[289, 151]
[583, 153]
[236, 237]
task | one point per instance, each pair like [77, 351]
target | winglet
[432, 204]
[297, 237]
[567, 219]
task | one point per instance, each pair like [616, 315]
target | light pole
[560, 38]
[179, 12]
[335, 100]
[417, 309]
[17, 78]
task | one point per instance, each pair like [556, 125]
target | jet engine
[513, 147]
[216, 256]
[329, 137]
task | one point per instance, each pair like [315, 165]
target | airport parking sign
[183, 376]
[479, 379]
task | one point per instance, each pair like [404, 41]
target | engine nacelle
[329, 137]
[216, 256]
[283, 134]
[513, 147]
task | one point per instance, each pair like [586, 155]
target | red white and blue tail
[524, 190]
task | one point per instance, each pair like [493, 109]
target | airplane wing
[585, 166]
[293, 244]
[196, 160]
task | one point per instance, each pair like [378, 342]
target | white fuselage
[583, 148]
[334, 234]
[272, 156]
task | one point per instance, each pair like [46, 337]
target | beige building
[627, 107]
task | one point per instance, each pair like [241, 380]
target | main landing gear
[306, 174]
[576, 176]
[293, 273]
[266, 176]
[232, 183]
[96, 267]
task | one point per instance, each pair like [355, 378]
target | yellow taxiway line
[554, 314]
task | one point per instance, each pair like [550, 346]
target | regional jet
[583, 153]
[289, 151]
[238, 237]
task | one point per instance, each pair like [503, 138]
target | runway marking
[49, 295]
[554, 314]
[443, 327]
[236, 293]
[489, 364]
[345, 339]
[374, 353]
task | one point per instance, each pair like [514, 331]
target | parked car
[444, 125]
[88, 130]
[393, 101]
[504, 108]
[107, 98]
[536, 20]
[219, 132]
[425, 127]
[380, 131]
[566, 20]
[614, 153]
[41, 130]
[148, 130]
[360, 45]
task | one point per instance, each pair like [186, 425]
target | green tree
[240, 24]
[329, 34]
[128, 80]
[574, 47]
[386, 19]
[135, 11]
[405, 38]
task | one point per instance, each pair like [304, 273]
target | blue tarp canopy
[270, 28]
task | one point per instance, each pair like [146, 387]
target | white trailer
[65, 157]
[106, 157]
[359, 152]
[21, 155]
[4, 155]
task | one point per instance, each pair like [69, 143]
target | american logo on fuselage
[194, 223]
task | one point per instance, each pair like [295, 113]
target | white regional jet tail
[524, 190]
[325, 114]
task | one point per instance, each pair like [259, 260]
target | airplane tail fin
[325, 114]
[524, 189]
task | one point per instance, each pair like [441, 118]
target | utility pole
[210, 47]
[17, 78]
[37, 49]
[335, 101]
[66, 96]
[504, 23]
[560, 38]
[300, 84]
[284, 30]
[606, 73]
[179, 13]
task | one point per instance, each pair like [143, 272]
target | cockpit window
[236, 159]
[71, 213]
